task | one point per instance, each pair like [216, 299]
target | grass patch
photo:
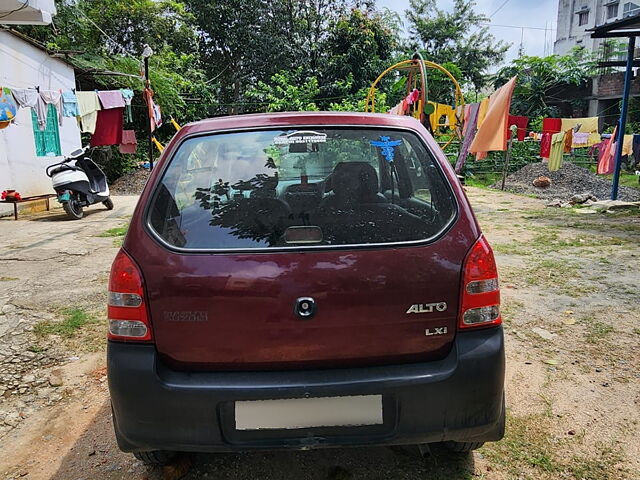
[36, 348]
[598, 331]
[559, 275]
[117, 233]
[529, 450]
[550, 241]
[73, 320]
[8, 279]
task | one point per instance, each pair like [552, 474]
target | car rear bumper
[458, 398]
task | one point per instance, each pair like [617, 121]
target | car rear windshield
[309, 187]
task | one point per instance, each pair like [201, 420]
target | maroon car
[304, 280]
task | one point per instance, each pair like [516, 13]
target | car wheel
[155, 457]
[462, 447]
[108, 203]
[73, 209]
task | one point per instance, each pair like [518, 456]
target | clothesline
[100, 113]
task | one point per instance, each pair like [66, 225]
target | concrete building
[24, 150]
[576, 16]
[27, 12]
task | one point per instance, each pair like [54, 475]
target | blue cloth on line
[70, 104]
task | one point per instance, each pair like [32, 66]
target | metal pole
[507, 155]
[147, 84]
[623, 117]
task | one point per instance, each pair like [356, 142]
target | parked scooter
[79, 182]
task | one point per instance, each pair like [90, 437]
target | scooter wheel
[73, 209]
[108, 203]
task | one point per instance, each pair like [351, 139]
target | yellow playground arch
[421, 108]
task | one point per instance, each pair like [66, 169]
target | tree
[540, 77]
[460, 36]
[287, 91]
[359, 45]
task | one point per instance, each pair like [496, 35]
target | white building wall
[25, 66]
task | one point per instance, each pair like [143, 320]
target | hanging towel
[471, 127]
[627, 143]
[545, 145]
[492, 134]
[606, 164]
[69, 104]
[568, 140]
[53, 97]
[551, 125]
[587, 124]
[8, 105]
[521, 123]
[111, 99]
[127, 96]
[482, 112]
[129, 143]
[153, 110]
[557, 149]
[88, 106]
[594, 139]
[108, 127]
[29, 97]
[580, 139]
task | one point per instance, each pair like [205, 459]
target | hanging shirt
[127, 96]
[492, 134]
[587, 124]
[111, 99]
[8, 106]
[557, 150]
[129, 143]
[545, 145]
[580, 139]
[29, 97]
[521, 123]
[69, 104]
[53, 97]
[551, 125]
[108, 127]
[88, 106]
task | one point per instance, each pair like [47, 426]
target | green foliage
[460, 36]
[538, 76]
[287, 91]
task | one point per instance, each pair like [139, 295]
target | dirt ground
[570, 286]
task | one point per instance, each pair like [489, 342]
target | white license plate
[309, 412]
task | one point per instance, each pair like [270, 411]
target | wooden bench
[28, 199]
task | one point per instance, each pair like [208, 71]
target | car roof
[233, 122]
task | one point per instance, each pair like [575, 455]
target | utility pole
[146, 53]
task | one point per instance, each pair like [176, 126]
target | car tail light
[127, 310]
[480, 304]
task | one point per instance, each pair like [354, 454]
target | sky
[519, 13]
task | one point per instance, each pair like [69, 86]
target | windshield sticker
[386, 146]
[300, 137]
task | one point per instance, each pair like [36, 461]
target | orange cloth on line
[568, 140]
[482, 112]
[492, 134]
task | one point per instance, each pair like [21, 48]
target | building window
[583, 18]
[612, 11]
[630, 9]
[48, 140]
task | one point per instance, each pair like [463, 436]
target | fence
[522, 153]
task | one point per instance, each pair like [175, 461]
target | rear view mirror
[305, 234]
